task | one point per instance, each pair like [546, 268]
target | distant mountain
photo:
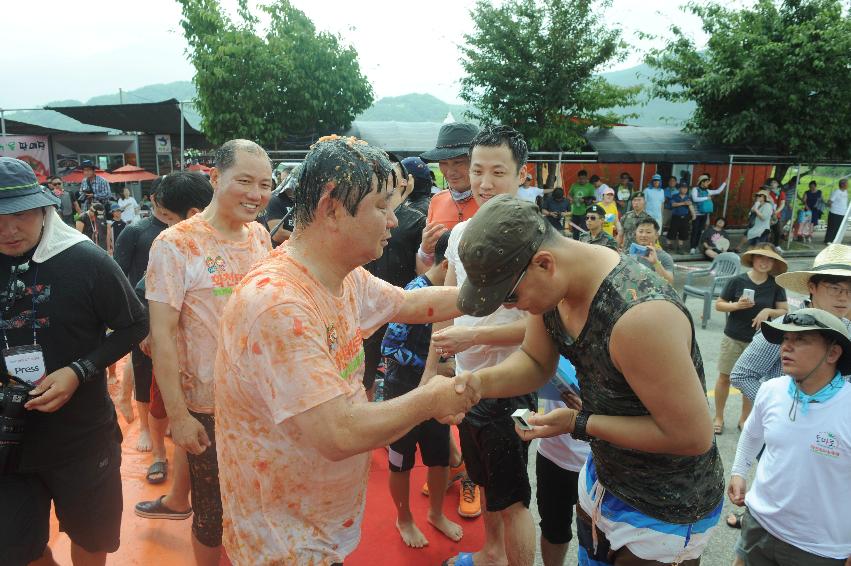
[406, 108]
[651, 112]
[411, 108]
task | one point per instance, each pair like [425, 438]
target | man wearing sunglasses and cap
[797, 508]
[652, 490]
[65, 449]
[594, 216]
[448, 208]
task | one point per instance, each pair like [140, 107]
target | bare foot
[144, 442]
[411, 534]
[125, 407]
[447, 527]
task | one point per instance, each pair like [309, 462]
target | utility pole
[120, 96]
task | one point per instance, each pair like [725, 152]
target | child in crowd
[406, 349]
[805, 226]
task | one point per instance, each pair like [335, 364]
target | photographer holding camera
[59, 436]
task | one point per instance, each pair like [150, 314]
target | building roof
[400, 137]
[149, 117]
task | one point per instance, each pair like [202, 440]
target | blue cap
[416, 167]
[656, 177]
[19, 189]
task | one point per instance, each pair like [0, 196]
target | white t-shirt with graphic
[802, 490]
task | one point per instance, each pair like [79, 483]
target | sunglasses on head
[803, 320]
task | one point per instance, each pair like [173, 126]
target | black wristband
[85, 370]
[579, 432]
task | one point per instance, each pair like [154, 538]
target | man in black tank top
[652, 489]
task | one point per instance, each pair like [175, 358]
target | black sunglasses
[593, 217]
[56, 183]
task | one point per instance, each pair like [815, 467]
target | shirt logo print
[826, 444]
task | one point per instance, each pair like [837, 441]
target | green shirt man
[579, 191]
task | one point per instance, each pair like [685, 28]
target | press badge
[25, 362]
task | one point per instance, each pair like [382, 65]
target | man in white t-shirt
[527, 191]
[838, 203]
[496, 459]
[797, 508]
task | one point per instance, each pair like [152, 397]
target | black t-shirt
[711, 235]
[118, 227]
[559, 206]
[133, 246]
[766, 296]
[398, 264]
[95, 230]
[84, 292]
[277, 208]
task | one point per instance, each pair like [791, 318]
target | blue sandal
[462, 559]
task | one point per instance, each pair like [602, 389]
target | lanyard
[33, 315]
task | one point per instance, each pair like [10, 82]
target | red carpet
[167, 543]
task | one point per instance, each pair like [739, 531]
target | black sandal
[737, 521]
[157, 472]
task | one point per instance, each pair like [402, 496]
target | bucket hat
[835, 259]
[19, 188]
[453, 140]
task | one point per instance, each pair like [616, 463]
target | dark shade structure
[631, 144]
[13, 127]
[150, 117]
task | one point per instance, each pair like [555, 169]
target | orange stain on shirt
[256, 349]
[349, 523]
[298, 327]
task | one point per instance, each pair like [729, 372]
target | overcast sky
[93, 47]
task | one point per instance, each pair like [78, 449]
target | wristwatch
[86, 370]
[579, 425]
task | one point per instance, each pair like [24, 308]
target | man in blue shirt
[406, 349]
[679, 232]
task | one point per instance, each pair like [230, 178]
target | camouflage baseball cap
[496, 247]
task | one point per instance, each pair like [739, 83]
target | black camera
[13, 396]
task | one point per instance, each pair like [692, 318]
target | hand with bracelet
[54, 391]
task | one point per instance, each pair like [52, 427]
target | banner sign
[31, 149]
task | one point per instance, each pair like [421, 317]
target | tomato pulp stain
[298, 327]
[430, 311]
[256, 348]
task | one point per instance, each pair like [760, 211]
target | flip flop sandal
[157, 472]
[156, 510]
[462, 559]
[737, 524]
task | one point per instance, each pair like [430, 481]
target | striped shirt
[758, 363]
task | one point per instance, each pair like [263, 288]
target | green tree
[286, 86]
[773, 77]
[530, 64]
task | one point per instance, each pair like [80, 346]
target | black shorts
[206, 494]
[679, 229]
[88, 500]
[431, 436]
[557, 494]
[143, 369]
[496, 460]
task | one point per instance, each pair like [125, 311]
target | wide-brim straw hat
[764, 193]
[835, 259]
[780, 265]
